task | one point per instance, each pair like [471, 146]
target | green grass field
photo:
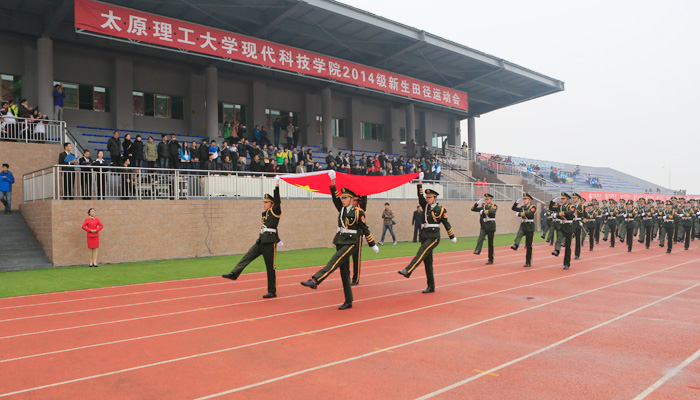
[18, 283]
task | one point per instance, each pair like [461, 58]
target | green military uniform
[521, 233]
[579, 233]
[527, 225]
[433, 216]
[589, 223]
[266, 245]
[656, 220]
[605, 209]
[630, 214]
[559, 239]
[567, 214]
[550, 227]
[598, 221]
[696, 220]
[611, 222]
[686, 223]
[488, 225]
[638, 221]
[351, 224]
[646, 215]
[621, 223]
[668, 218]
[675, 205]
[357, 254]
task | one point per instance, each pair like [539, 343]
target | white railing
[32, 130]
[98, 183]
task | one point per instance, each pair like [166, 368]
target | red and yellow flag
[360, 184]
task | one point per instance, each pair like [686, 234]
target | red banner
[359, 184]
[111, 20]
[634, 196]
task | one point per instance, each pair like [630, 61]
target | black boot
[429, 290]
[230, 276]
[404, 273]
[311, 283]
[345, 306]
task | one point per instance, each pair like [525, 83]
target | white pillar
[471, 133]
[212, 102]
[411, 130]
[327, 115]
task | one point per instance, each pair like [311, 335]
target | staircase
[19, 249]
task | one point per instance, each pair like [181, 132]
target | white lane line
[279, 299]
[233, 322]
[668, 376]
[556, 344]
[227, 292]
[53, 303]
[361, 356]
[351, 324]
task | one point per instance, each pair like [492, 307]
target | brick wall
[167, 229]
[24, 158]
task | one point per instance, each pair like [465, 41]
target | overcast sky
[631, 70]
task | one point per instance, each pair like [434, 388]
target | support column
[471, 133]
[308, 120]
[258, 101]
[327, 116]
[355, 134]
[29, 88]
[395, 146]
[212, 102]
[45, 75]
[427, 129]
[195, 102]
[411, 131]
[123, 93]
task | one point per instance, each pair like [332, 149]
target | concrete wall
[24, 158]
[511, 179]
[163, 229]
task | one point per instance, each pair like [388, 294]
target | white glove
[580, 223]
[519, 201]
[606, 214]
[517, 214]
[681, 215]
[454, 240]
[331, 174]
[420, 176]
[664, 217]
[375, 248]
[554, 215]
[480, 202]
[481, 211]
[280, 243]
[277, 179]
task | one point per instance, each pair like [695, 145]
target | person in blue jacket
[6, 181]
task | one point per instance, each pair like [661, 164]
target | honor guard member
[579, 233]
[598, 220]
[433, 216]
[360, 203]
[674, 203]
[638, 221]
[351, 222]
[686, 225]
[556, 207]
[646, 213]
[519, 236]
[621, 222]
[630, 214]
[695, 220]
[589, 223]
[266, 245]
[487, 211]
[545, 221]
[550, 227]
[612, 222]
[667, 217]
[604, 208]
[566, 215]
[527, 211]
[660, 205]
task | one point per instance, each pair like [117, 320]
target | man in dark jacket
[137, 150]
[24, 110]
[174, 149]
[417, 222]
[163, 152]
[128, 147]
[210, 164]
[203, 152]
[255, 164]
[115, 149]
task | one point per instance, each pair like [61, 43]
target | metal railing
[92, 182]
[32, 130]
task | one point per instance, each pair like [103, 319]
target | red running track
[616, 325]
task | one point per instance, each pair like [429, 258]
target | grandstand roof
[327, 27]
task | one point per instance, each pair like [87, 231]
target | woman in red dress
[92, 226]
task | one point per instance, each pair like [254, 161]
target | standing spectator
[128, 147]
[388, 217]
[438, 170]
[256, 133]
[224, 151]
[214, 150]
[66, 158]
[174, 150]
[115, 149]
[92, 226]
[194, 154]
[6, 181]
[163, 152]
[85, 175]
[58, 97]
[137, 150]
[309, 160]
[329, 157]
[204, 152]
[151, 153]
[227, 130]
[126, 179]
[277, 127]
[185, 156]
[417, 222]
[100, 174]
[444, 148]
[295, 135]
[290, 135]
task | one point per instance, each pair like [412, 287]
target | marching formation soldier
[647, 214]
[589, 220]
[630, 214]
[668, 218]
[621, 223]
[433, 216]
[526, 211]
[566, 215]
[611, 222]
[360, 203]
[598, 220]
[686, 224]
[550, 227]
[696, 220]
[351, 223]
[579, 233]
[556, 207]
[638, 222]
[487, 211]
[266, 245]
[518, 236]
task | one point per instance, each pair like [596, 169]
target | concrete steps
[19, 249]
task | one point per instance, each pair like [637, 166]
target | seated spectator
[301, 168]
[227, 165]
[331, 165]
[285, 168]
[210, 164]
[241, 164]
[255, 164]
[269, 166]
[317, 167]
